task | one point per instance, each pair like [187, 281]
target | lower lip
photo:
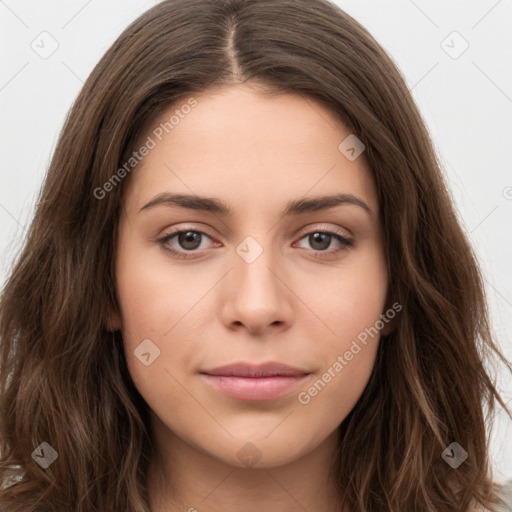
[254, 388]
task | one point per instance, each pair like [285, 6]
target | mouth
[245, 381]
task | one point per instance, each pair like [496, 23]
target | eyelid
[196, 228]
[324, 227]
[300, 234]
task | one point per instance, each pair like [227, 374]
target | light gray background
[466, 102]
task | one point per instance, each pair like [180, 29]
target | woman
[245, 286]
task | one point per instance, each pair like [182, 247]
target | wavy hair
[63, 375]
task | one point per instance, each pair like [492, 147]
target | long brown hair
[63, 375]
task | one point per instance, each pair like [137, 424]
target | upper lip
[242, 369]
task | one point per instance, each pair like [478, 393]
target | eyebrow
[213, 205]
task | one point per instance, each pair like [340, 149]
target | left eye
[323, 239]
[190, 241]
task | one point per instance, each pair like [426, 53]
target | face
[253, 268]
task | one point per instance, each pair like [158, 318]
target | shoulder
[504, 491]
[506, 495]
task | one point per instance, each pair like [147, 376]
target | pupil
[189, 240]
[322, 238]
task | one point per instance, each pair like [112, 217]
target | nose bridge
[257, 296]
[254, 267]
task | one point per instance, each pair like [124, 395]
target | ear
[389, 317]
[113, 321]
[388, 328]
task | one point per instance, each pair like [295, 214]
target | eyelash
[345, 242]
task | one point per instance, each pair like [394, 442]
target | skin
[255, 153]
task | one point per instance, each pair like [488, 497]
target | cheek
[350, 300]
[328, 399]
[350, 309]
[160, 307]
[348, 359]
[154, 296]
[143, 301]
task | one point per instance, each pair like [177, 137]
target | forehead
[241, 145]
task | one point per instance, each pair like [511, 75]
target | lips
[250, 370]
[246, 381]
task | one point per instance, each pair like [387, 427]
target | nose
[257, 296]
